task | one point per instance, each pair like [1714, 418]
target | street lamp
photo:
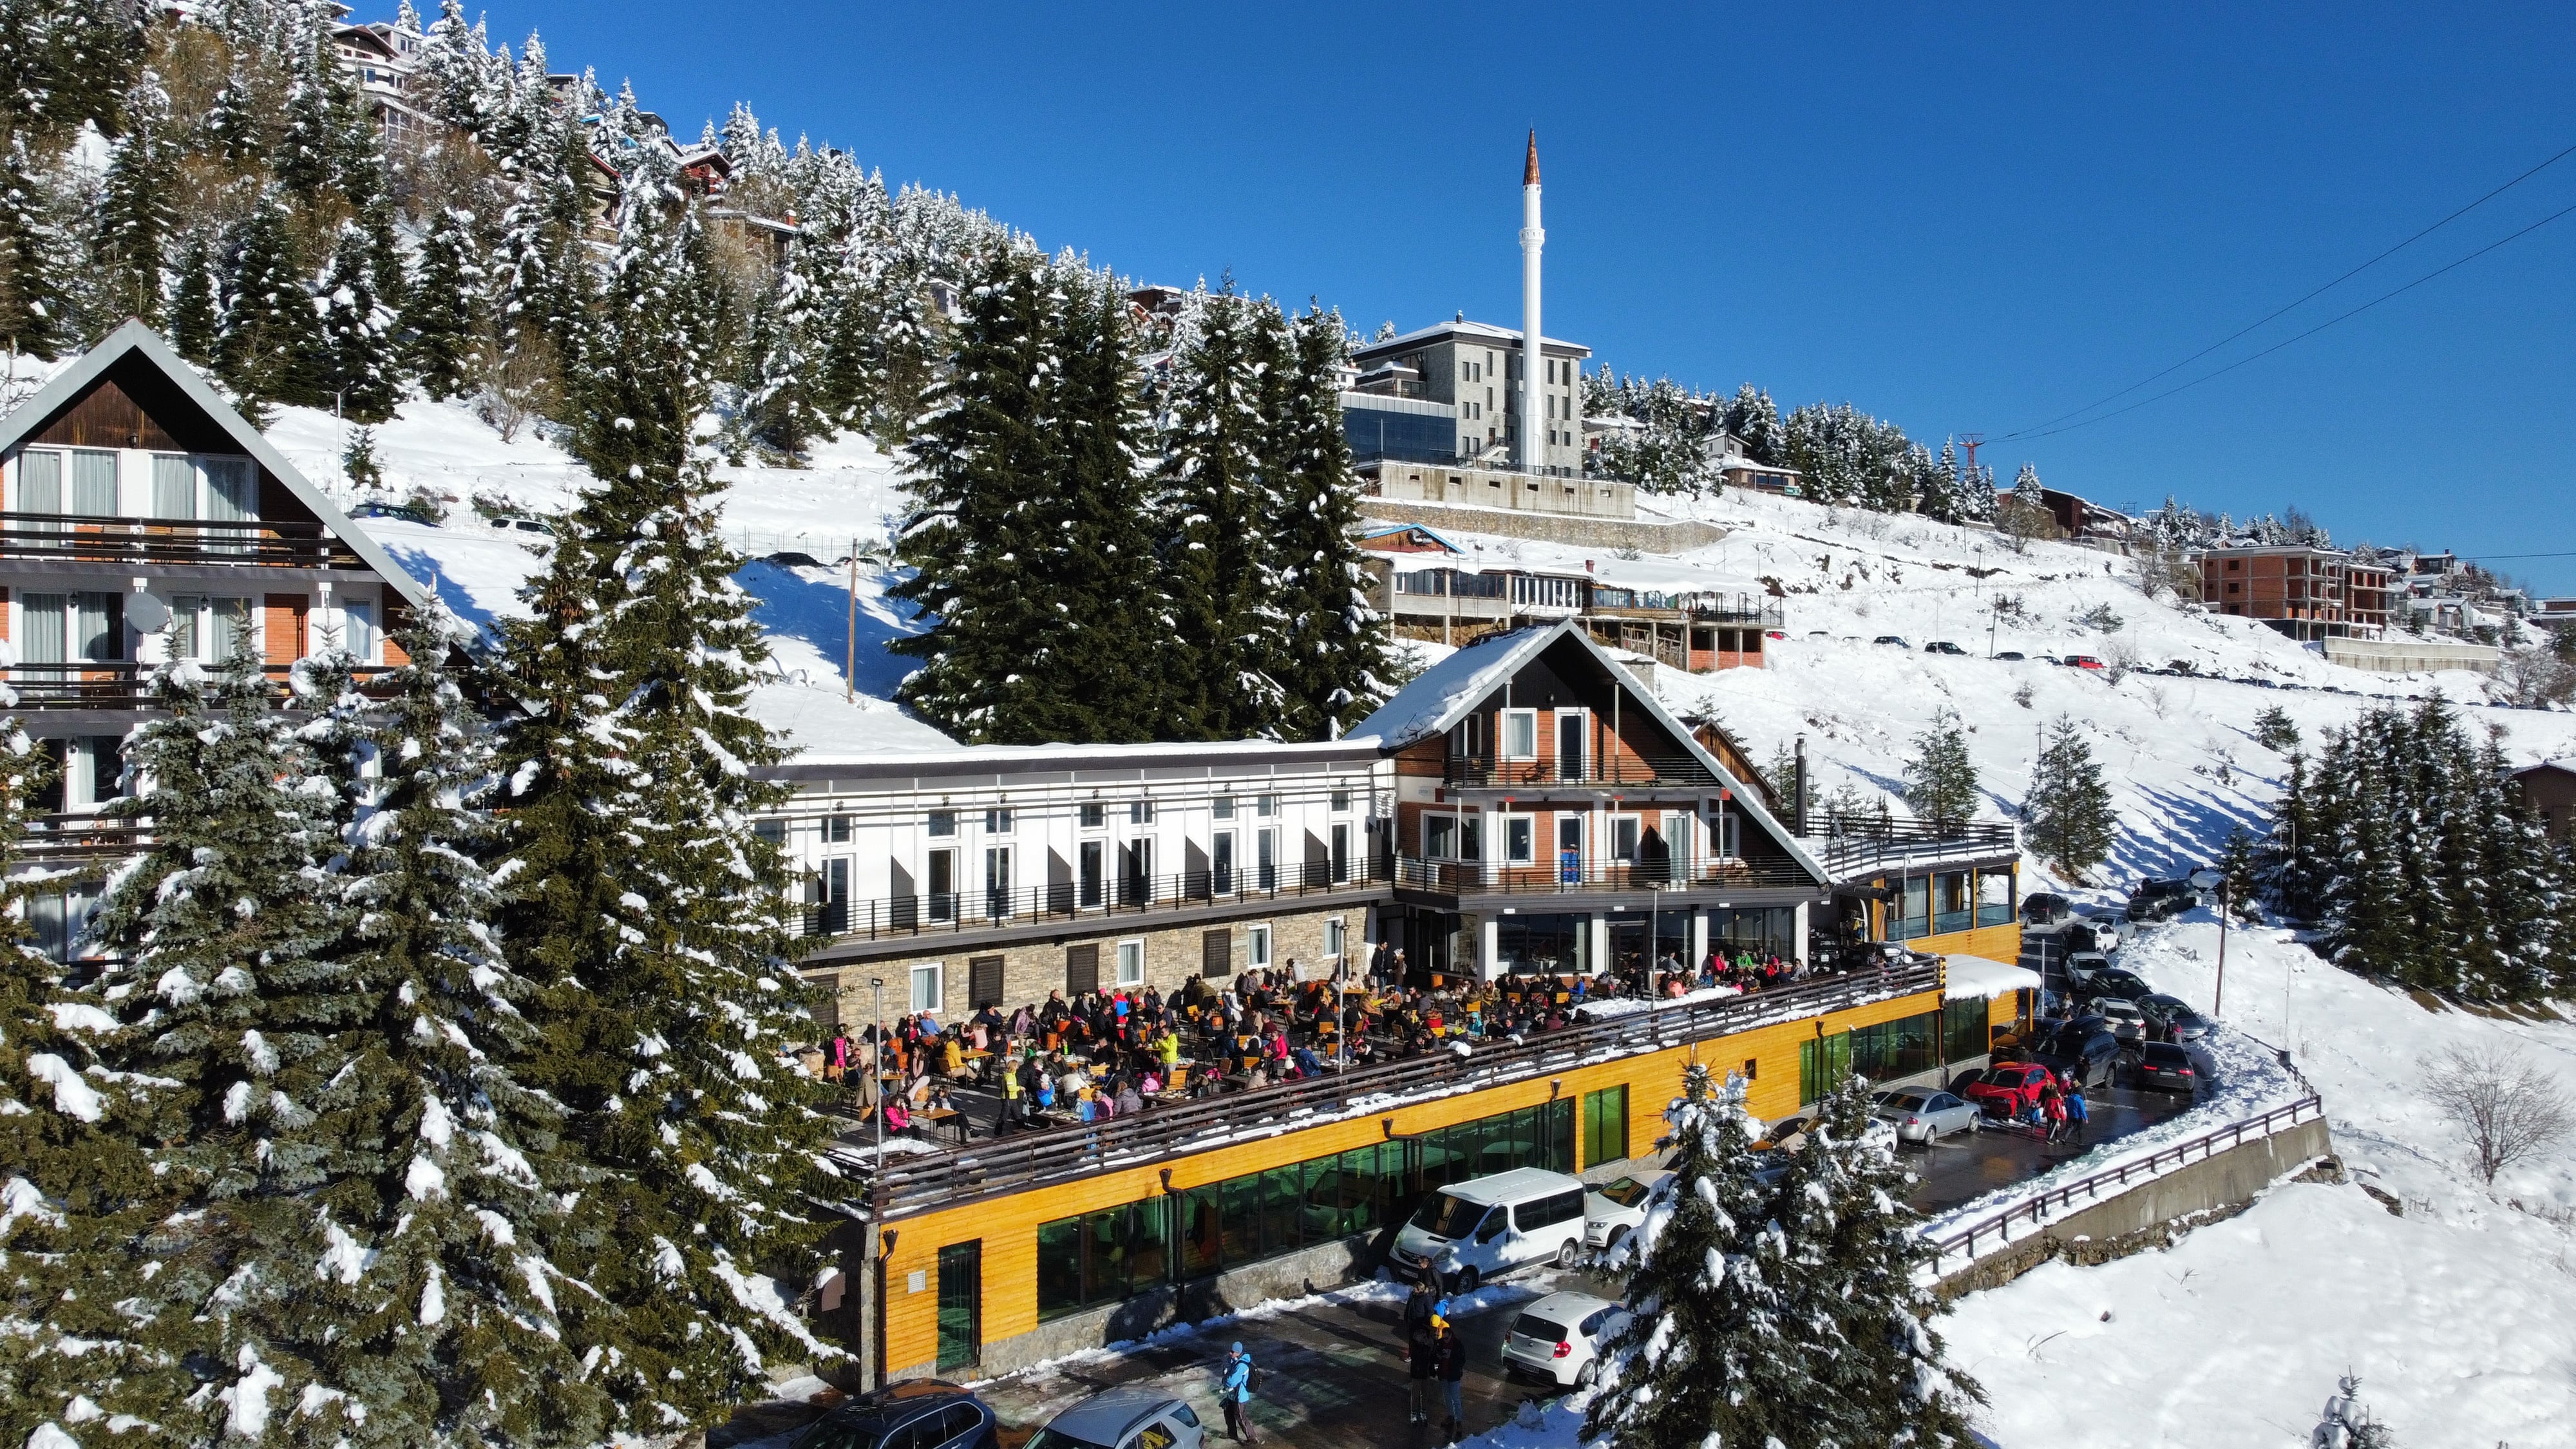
[2206, 879]
[876, 1043]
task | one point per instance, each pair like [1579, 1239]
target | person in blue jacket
[1237, 1392]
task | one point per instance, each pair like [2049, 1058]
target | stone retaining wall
[1602, 533]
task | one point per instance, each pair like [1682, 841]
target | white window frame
[1256, 948]
[1503, 746]
[1130, 951]
[1582, 737]
[1627, 838]
[1337, 940]
[1520, 839]
[936, 973]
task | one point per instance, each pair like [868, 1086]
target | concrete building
[2306, 593]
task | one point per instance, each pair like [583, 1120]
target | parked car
[2046, 908]
[1558, 1339]
[1613, 1210]
[2125, 1020]
[2100, 927]
[2083, 966]
[2081, 661]
[1942, 646]
[2007, 1090]
[2158, 900]
[2170, 1018]
[2084, 1053]
[1130, 1416]
[2164, 1067]
[1896, 639]
[1925, 1114]
[913, 1414]
[2014, 655]
[1775, 633]
[1469, 1232]
[2112, 985]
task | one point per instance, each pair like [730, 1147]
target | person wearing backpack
[1421, 1349]
[1453, 1374]
[2077, 1114]
[1241, 1379]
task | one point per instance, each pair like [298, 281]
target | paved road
[1333, 1371]
[1969, 1165]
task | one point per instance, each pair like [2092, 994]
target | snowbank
[1975, 978]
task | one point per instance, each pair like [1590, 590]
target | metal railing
[63, 837]
[1062, 1154]
[1962, 1242]
[86, 538]
[1470, 877]
[111, 683]
[1853, 847]
[951, 912]
[1474, 772]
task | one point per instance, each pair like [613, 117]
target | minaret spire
[1533, 441]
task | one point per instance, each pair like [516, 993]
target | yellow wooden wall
[1995, 943]
[1008, 1226]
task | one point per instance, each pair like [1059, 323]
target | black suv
[915, 1414]
[2081, 1053]
[2164, 1066]
[2114, 984]
[2046, 908]
[2157, 900]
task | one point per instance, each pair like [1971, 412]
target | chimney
[1533, 364]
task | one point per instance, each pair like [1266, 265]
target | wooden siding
[1994, 943]
[286, 618]
[106, 417]
[1008, 1226]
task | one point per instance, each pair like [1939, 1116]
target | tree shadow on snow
[424, 569]
[792, 605]
[2190, 830]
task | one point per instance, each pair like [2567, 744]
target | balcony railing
[110, 683]
[952, 912]
[68, 837]
[1018, 1163]
[1480, 772]
[83, 538]
[1471, 878]
[1849, 848]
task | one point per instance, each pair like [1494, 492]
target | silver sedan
[1925, 1114]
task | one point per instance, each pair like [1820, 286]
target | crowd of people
[1114, 1053]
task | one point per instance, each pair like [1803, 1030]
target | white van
[1471, 1232]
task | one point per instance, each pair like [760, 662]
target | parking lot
[1968, 1165]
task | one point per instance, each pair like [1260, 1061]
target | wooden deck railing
[86, 539]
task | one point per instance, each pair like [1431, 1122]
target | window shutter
[1216, 953]
[827, 1002]
[984, 980]
[1081, 970]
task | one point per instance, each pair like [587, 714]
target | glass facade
[1605, 1126]
[1964, 1030]
[1406, 437]
[1897, 1048]
[1764, 931]
[1104, 1256]
[1545, 945]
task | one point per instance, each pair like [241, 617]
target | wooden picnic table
[936, 1115]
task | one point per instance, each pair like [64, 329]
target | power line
[2035, 429]
[2044, 432]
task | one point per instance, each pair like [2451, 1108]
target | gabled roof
[136, 339]
[1450, 690]
[1369, 539]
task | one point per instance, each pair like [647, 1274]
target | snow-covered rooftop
[1976, 978]
[1482, 331]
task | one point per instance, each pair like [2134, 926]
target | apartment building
[1475, 369]
[2306, 593]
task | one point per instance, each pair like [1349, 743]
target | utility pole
[850, 661]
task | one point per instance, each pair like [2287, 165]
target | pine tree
[1707, 1355]
[63, 62]
[1941, 780]
[642, 905]
[35, 258]
[356, 366]
[268, 335]
[1214, 501]
[2298, 871]
[2274, 730]
[196, 326]
[2237, 865]
[780, 402]
[2067, 816]
[1332, 660]
[443, 319]
[135, 213]
[981, 464]
[1855, 1294]
[77, 1187]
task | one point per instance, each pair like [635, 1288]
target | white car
[1131, 1416]
[2123, 1017]
[1558, 1339]
[1925, 1114]
[1614, 1209]
[1473, 1232]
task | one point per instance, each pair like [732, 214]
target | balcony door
[1571, 737]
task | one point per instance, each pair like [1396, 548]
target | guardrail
[1024, 1161]
[1962, 1242]
[81, 837]
[940, 913]
[1479, 772]
[95, 539]
[1850, 847]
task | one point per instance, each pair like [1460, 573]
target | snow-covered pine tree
[357, 364]
[35, 257]
[1755, 421]
[1853, 1296]
[1941, 781]
[642, 906]
[229, 987]
[268, 333]
[1706, 1357]
[63, 62]
[196, 324]
[1333, 661]
[2067, 815]
[462, 86]
[981, 464]
[2294, 846]
[786, 351]
[2275, 730]
[77, 1189]
[443, 315]
[135, 212]
[2243, 871]
[1214, 502]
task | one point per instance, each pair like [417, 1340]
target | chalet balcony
[1461, 879]
[111, 684]
[62, 839]
[1852, 848]
[264, 543]
[949, 913]
[1487, 772]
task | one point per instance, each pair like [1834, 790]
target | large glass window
[1543, 945]
[1953, 901]
[1912, 909]
[1605, 1126]
[1963, 1029]
[1897, 1048]
[1995, 897]
[1761, 931]
[1406, 437]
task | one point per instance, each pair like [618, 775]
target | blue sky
[1967, 218]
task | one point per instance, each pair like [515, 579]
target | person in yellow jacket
[952, 1055]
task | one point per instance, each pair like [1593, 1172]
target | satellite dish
[146, 612]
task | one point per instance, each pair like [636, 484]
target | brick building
[2306, 593]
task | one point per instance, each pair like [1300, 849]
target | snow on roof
[1462, 328]
[1439, 694]
[938, 755]
[1975, 978]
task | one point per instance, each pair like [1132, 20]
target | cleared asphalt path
[1968, 1165]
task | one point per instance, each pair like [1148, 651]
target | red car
[2082, 661]
[2010, 1089]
